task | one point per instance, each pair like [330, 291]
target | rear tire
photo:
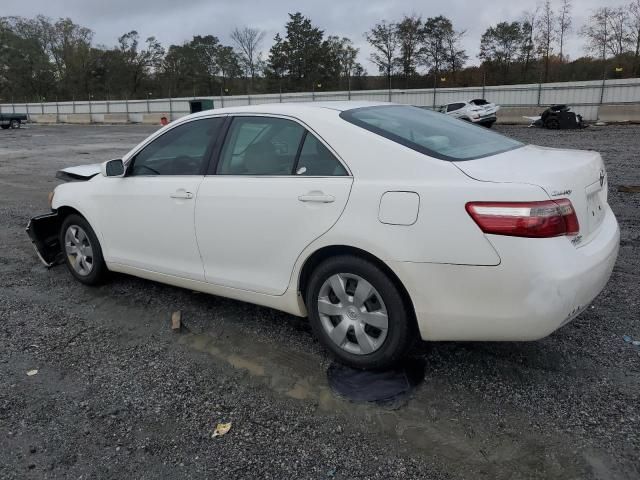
[552, 124]
[358, 313]
[82, 251]
[5, 127]
[15, 124]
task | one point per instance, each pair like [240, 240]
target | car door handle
[317, 197]
[184, 195]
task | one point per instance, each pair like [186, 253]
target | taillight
[551, 218]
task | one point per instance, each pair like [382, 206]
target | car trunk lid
[574, 174]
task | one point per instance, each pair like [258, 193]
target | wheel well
[326, 252]
[64, 212]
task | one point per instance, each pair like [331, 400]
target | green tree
[435, 50]
[500, 45]
[383, 37]
[409, 34]
[139, 62]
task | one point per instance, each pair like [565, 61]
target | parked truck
[12, 120]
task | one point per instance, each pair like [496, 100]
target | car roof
[291, 108]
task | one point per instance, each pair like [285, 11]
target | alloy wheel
[79, 250]
[353, 313]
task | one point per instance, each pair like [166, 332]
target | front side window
[260, 146]
[183, 150]
[455, 106]
[436, 135]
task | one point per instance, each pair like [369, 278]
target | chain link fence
[584, 97]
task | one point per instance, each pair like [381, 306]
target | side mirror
[113, 168]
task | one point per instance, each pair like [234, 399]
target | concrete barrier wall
[116, 118]
[153, 118]
[619, 113]
[76, 118]
[46, 118]
[584, 98]
[515, 115]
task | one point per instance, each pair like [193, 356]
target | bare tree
[564, 24]
[347, 57]
[527, 47]
[546, 34]
[596, 31]
[619, 28]
[634, 26]
[384, 40]
[248, 40]
[456, 55]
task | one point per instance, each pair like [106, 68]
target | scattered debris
[221, 429]
[176, 321]
[31, 373]
[558, 117]
[629, 188]
[629, 339]
[600, 123]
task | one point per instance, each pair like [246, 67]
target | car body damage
[43, 231]
[78, 174]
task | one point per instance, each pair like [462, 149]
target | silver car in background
[477, 111]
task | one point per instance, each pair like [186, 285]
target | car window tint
[260, 146]
[455, 106]
[317, 160]
[180, 151]
[436, 135]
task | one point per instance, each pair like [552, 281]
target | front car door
[147, 219]
[276, 188]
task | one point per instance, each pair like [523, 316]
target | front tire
[358, 313]
[82, 251]
[15, 124]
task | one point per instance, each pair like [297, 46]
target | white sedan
[382, 223]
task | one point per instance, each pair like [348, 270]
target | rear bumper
[540, 285]
[485, 120]
[43, 231]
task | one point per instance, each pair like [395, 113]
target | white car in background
[475, 111]
[382, 223]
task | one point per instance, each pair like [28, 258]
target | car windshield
[431, 133]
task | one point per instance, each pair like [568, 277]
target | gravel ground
[119, 394]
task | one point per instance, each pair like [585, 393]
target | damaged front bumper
[44, 231]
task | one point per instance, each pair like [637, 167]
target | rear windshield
[431, 133]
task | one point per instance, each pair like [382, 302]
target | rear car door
[147, 218]
[275, 189]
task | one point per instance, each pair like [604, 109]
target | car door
[275, 189]
[147, 218]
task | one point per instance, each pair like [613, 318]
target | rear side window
[439, 136]
[454, 106]
[316, 160]
[260, 146]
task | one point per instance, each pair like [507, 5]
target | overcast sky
[174, 21]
